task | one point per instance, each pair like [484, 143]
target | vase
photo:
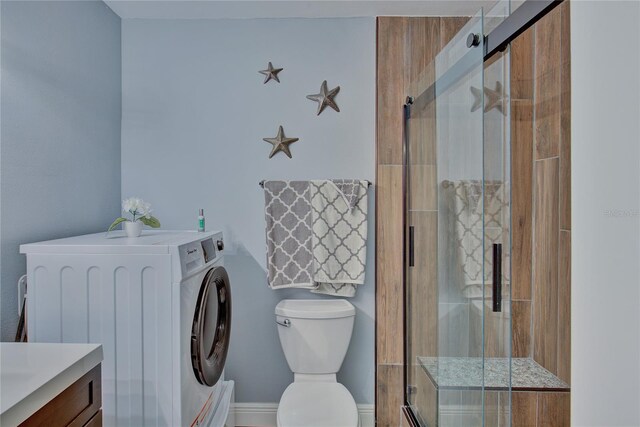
[133, 229]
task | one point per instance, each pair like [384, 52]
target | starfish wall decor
[271, 73]
[325, 97]
[494, 98]
[280, 143]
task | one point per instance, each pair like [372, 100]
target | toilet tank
[315, 334]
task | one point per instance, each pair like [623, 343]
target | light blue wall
[60, 139]
[195, 111]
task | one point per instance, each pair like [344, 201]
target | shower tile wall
[541, 149]
[401, 39]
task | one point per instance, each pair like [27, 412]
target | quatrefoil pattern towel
[339, 235]
[288, 217]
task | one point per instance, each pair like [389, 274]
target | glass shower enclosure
[458, 364]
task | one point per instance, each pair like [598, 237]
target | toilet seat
[317, 404]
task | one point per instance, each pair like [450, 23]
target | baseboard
[264, 414]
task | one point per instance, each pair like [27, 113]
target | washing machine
[159, 304]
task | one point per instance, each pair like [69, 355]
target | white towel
[339, 235]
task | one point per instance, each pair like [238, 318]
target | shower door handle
[412, 256]
[497, 277]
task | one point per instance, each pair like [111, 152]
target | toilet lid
[317, 404]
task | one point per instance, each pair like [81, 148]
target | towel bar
[261, 183]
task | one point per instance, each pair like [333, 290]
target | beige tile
[422, 134]
[565, 147]
[521, 328]
[449, 27]
[423, 188]
[565, 10]
[547, 42]
[522, 66]
[389, 396]
[564, 307]
[426, 399]
[390, 89]
[421, 44]
[521, 197]
[547, 85]
[547, 111]
[524, 408]
[545, 264]
[423, 286]
[389, 264]
[554, 410]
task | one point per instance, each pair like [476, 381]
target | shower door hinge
[411, 389]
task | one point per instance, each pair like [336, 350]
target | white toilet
[315, 335]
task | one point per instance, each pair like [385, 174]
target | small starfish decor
[280, 143]
[325, 97]
[271, 73]
[494, 98]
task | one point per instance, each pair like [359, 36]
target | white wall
[195, 111]
[60, 167]
[605, 63]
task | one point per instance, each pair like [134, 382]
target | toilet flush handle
[286, 323]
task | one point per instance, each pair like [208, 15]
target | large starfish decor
[325, 97]
[271, 73]
[280, 143]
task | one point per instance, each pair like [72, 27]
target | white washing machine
[160, 305]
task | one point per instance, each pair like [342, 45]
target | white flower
[144, 209]
[136, 207]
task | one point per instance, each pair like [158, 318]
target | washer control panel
[199, 253]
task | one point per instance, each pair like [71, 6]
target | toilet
[315, 335]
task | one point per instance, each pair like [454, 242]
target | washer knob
[220, 245]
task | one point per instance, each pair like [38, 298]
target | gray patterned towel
[288, 216]
[339, 235]
[474, 224]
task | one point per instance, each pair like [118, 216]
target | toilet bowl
[315, 336]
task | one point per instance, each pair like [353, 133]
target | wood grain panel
[547, 110]
[545, 264]
[565, 122]
[422, 41]
[423, 285]
[449, 27]
[554, 410]
[423, 188]
[390, 88]
[522, 66]
[524, 407]
[389, 265]
[521, 197]
[426, 399]
[422, 133]
[564, 307]
[548, 42]
[521, 328]
[547, 86]
[389, 396]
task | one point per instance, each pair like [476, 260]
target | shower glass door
[457, 298]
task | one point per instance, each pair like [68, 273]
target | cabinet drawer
[76, 406]
[95, 421]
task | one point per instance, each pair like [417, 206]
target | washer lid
[317, 404]
[315, 308]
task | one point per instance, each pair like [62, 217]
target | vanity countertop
[32, 374]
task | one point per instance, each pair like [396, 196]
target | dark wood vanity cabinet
[78, 405]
